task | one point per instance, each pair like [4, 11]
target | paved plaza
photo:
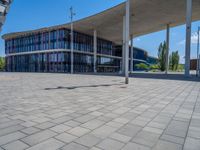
[88, 112]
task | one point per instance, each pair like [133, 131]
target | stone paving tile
[120, 137]
[45, 125]
[146, 138]
[192, 144]
[65, 137]
[173, 139]
[93, 124]
[147, 113]
[28, 123]
[153, 130]
[50, 144]
[10, 123]
[72, 123]
[109, 144]
[194, 132]
[129, 130]
[61, 119]
[95, 148]
[78, 131]
[114, 124]
[103, 131]
[164, 145]
[10, 129]
[85, 118]
[16, 145]
[11, 137]
[60, 128]
[30, 130]
[177, 128]
[75, 146]
[88, 140]
[134, 146]
[157, 125]
[38, 137]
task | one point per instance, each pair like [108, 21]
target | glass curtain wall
[56, 61]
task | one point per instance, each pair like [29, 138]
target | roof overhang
[147, 16]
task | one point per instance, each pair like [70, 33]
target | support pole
[167, 50]
[72, 40]
[95, 50]
[198, 52]
[131, 67]
[127, 42]
[188, 37]
[199, 66]
[123, 45]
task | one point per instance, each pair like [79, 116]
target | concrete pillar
[95, 51]
[131, 66]
[123, 45]
[49, 40]
[198, 64]
[167, 51]
[72, 49]
[188, 37]
[199, 67]
[38, 61]
[127, 42]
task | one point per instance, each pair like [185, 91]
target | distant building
[4, 7]
[152, 60]
[48, 50]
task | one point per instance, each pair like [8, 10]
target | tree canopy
[2, 63]
[162, 56]
[174, 61]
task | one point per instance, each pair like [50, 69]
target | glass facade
[49, 51]
[57, 39]
[49, 62]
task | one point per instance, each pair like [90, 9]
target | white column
[188, 37]
[127, 42]
[72, 49]
[198, 64]
[131, 69]
[95, 50]
[167, 50]
[123, 45]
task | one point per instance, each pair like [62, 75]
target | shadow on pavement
[87, 86]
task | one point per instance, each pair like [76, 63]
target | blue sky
[33, 14]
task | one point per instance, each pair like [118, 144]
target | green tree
[162, 56]
[142, 66]
[2, 63]
[154, 67]
[174, 61]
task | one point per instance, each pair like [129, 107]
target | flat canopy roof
[147, 16]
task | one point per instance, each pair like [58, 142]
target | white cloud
[194, 39]
[181, 42]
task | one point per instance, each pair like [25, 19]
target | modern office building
[48, 50]
[4, 7]
[98, 38]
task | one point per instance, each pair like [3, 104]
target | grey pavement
[91, 112]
